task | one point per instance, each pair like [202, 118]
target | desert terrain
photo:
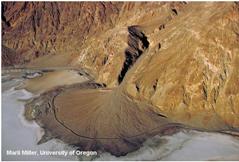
[125, 72]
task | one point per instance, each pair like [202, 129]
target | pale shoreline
[19, 134]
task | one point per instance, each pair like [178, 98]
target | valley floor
[18, 133]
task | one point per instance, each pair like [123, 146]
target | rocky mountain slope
[9, 57]
[182, 58]
[35, 29]
[190, 71]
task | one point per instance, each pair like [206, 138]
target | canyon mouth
[109, 76]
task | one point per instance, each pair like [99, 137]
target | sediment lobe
[97, 119]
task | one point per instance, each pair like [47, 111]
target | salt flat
[18, 134]
[185, 145]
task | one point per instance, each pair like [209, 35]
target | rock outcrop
[35, 29]
[194, 76]
[9, 57]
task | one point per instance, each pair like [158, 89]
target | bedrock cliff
[188, 70]
[35, 29]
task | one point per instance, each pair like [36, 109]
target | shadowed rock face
[137, 43]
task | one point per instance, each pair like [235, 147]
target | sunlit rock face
[193, 77]
[189, 71]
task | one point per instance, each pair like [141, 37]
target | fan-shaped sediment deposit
[97, 119]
